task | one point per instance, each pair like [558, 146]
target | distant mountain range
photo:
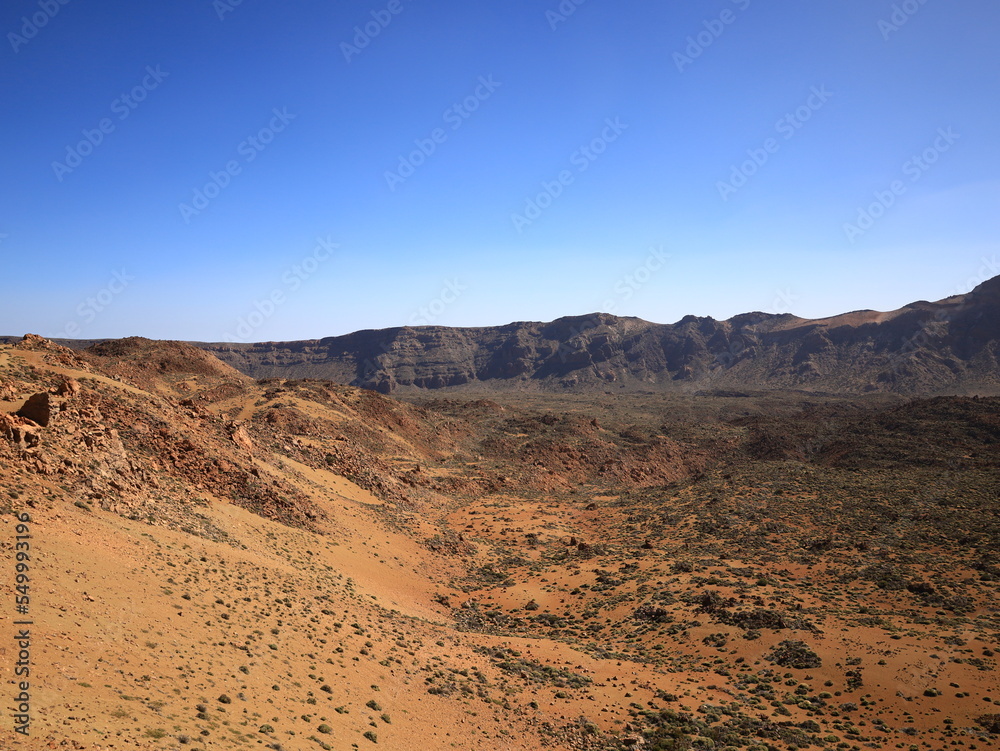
[925, 347]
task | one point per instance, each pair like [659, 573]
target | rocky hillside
[297, 565]
[946, 346]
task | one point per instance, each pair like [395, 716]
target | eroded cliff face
[920, 348]
[924, 347]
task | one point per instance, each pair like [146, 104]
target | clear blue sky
[175, 94]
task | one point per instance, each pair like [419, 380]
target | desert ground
[218, 562]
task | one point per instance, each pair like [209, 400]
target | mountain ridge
[922, 347]
[951, 345]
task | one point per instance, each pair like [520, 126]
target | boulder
[38, 409]
[241, 437]
[16, 431]
[8, 392]
[69, 387]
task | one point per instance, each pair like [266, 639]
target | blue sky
[262, 170]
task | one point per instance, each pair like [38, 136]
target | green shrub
[794, 654]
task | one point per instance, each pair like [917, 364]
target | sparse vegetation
[629, 559]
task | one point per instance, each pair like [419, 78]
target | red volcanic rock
[38, 409]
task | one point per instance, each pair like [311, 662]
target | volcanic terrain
[221, 562]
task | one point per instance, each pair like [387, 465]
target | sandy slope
[219, 563]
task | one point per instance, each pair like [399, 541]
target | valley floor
[219, 563]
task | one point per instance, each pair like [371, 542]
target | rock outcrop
[38, 409]
[18, 431]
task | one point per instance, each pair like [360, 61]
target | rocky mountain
[950, 345]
